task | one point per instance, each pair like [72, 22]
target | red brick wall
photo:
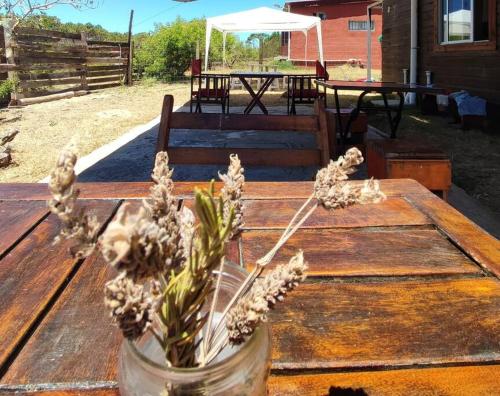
[339, 43]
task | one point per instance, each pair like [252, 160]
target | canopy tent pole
[320, 42]
[208, 36]
[224, 35]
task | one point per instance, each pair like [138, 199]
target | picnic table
[402, 297]
[383, 88]
[268, 78]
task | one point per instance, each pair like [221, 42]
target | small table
[256, 96]
[382, 88]
[402, 297]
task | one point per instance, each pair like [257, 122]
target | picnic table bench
[402, 297]
[382, 88]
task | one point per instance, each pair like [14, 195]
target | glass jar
[238, 371]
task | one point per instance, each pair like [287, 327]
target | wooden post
[130, 50]
[84, 69]
[166, 118]
[130, 65]
[10, 55]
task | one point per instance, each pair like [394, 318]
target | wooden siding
[476, 71]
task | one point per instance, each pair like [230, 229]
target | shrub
[6, 88]
[167, 52]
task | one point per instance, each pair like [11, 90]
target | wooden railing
[48, 62]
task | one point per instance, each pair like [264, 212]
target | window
[321, 15]
[464, 21]
[284, 39]
[360, 25]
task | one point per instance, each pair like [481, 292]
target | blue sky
[114, 14]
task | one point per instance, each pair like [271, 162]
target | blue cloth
[469, 105]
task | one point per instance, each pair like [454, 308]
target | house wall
[339, 43]
[477, 71]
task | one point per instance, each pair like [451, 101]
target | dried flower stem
[207, 337]
[245, 286]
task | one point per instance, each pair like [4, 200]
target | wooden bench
[316, 124]
[402, 159]
[359, 127]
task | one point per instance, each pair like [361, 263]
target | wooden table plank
[253, 190]
[322, 325]
[77, 342]
[443, 381]
[378, 324]
[480, 245]
[272, 214]
[32, 273]
[62, 392]
[379, 251]
[16, 219]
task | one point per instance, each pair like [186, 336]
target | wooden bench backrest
[243, 122]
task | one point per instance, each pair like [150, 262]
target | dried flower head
[251, 310]
[161, 198]
[78, 226]
[132, 308]
[232, 191]
[333, 191]
[163, 207]
[136, 244]
[371, 193]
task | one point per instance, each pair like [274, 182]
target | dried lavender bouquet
[170, 265]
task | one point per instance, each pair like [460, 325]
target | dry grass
[91, 121]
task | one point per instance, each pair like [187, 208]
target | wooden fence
[48, 62]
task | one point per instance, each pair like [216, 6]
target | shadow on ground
[134, 160]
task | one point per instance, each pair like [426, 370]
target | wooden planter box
[396, 159]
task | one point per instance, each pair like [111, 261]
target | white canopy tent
[262, 20]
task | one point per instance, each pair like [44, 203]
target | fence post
[11, 55]
[85, 85]
[130, 80]
[130, 49]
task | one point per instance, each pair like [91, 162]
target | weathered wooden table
[403, 298]
[256, 96]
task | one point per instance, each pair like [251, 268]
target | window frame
[360, 21]
[323, 15]
[465, 45]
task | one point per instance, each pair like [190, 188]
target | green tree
[168, 50]
[94, 32]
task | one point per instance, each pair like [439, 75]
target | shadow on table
[340, 391]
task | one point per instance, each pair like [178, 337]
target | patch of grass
[474, 154]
